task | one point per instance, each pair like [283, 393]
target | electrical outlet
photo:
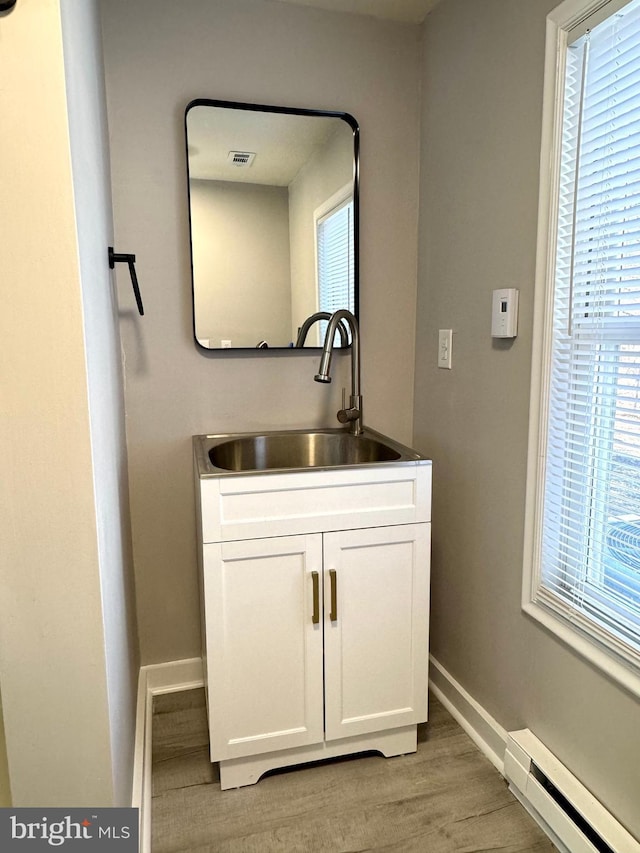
[445, 337]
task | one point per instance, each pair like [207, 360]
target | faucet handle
[351, 413]
[346, 416]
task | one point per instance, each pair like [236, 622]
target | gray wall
[240, 238]
[481, 125]
[159, 55]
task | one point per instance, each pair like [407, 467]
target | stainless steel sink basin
[304, 450]
[296, 450]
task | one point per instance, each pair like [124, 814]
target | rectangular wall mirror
[273, 207]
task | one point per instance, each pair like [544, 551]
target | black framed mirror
[273, 215]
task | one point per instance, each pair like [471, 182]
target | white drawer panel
[342, 499]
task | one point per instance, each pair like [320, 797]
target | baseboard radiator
[572, 817]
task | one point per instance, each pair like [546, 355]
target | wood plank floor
[446, 797]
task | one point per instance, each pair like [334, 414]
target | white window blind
[335, 250]
[590, 522]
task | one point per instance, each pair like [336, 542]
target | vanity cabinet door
[376, 628]
[265, 664]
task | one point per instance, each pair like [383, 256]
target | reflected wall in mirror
[273, 207]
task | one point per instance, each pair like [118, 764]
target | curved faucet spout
[352, 414]
[313, 318]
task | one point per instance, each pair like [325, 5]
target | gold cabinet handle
[315, 580]
[333, 579]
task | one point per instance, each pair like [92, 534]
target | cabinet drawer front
[345, 499]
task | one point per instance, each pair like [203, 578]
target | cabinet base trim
[237, 772]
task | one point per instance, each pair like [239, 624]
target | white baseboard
[487, 734]
[153, 680]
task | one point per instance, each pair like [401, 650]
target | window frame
[588, 640]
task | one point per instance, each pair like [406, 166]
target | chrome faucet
[353, 414]
[313, 318]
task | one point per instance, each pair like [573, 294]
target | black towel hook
[7, 5]
[115, 258]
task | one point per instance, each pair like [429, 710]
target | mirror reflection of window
[334, 251]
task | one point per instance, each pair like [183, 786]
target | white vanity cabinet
[315, 614]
